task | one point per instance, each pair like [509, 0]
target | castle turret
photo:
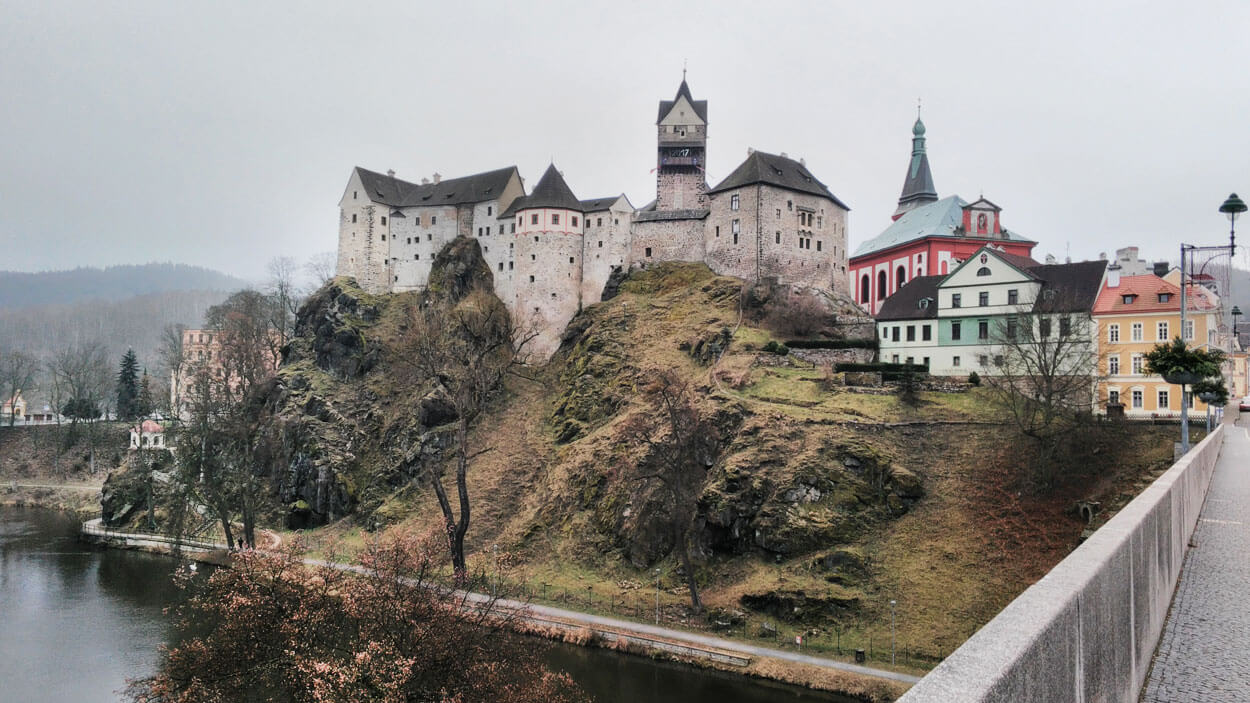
[681, 181]
[918, 188]
[549, 260]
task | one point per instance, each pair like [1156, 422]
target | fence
[95, 529]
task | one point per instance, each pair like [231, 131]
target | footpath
[1204, 652]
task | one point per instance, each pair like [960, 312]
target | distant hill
[114, 283]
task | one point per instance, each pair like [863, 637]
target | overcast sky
[223, 133]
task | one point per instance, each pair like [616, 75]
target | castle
[552, 253]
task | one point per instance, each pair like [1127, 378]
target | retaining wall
[1086, 632]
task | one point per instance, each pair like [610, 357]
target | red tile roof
[1147, 289]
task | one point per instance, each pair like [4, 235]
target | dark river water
[76, 622]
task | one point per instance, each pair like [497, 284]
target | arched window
[865, 287]
[983, 271]
[943, 269]
[881, 284]
[900, 277]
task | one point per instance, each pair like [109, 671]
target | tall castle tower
[549, 233]
[681, 183]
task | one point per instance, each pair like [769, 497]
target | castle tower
[549, 232]
[680, 180]
[918, 188]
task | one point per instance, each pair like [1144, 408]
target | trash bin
[860, 657]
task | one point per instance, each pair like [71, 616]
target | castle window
[533, 258]
[570, 259]
[489, 210]
[555, 218]
[353, 195]
[817, 245]
[353, 217]
[735, 237]
[616, 221]
[733, 202]
[819, 222]
[600, 244]
[534, 219]
[598, 221]
[536, 237]
[500, 265]
[881, 286]
[513, 230]
[429, 237]
[479, 231]
[531, 279]
[416, 257]
[779, 236]
[574, 220]
[501, 229]
[648, 252]
[384, 219]
[509, 265]
[864, 285]
[433, 220]
[900, 277]
[553, 296]
[384, 237]
[409, 240]
[718, 230]
[779, 213]
[486, 250]
[737, 227]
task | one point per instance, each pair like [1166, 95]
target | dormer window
[923, 304]
[1165, 297]
[1128, 298]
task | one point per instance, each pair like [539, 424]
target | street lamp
[657, 596]
[1232, 207]
[892, 604]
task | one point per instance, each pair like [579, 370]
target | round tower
[549, 227]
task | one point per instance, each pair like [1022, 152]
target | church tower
[681, 181]
[918, 188]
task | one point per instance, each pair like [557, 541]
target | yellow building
[1132, 315]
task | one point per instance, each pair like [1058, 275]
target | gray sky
[223, 133]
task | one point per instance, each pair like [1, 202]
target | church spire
[918, 188]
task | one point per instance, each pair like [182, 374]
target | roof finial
[683, 70]
[917, 108]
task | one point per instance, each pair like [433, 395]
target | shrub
[796, 315]
[974, 378]
[773, 347]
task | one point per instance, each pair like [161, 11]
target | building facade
[929, 236]
[1135, 313]
[551, 253]
[959, 323]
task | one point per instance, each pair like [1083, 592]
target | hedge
[866, 343]
[889, 372]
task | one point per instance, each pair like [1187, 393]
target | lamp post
[1232, 207]
[892, 604]
[657, 596]
[494, 587]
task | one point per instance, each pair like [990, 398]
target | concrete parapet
[1086, 631]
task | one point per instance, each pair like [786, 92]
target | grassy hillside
[824, 503]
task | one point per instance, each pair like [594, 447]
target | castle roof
[597, 204]
[476, 188]
[683, 91]
[779, 171]
[939, 219]
[551, 191]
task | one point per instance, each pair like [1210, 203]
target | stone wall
[675, 239]
[415, 239]
[1088, 630]
[548, 286]
[605, 247]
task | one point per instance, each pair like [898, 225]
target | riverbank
[81, 499]
[583, 629]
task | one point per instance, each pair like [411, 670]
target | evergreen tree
[128, 387]
[146, 403]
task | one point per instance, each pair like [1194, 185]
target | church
[551, 253]
[929, 236]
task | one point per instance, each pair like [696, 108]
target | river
[77, 621]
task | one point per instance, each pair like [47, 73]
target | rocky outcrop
[329, 327]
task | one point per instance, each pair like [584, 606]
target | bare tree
[679, 444]
[284, 295]
[1046, 367]
[321, 266]
[172, 365]
[82, 378]
[17, 374]
[463, 349]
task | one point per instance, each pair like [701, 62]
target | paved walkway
[1204, 653]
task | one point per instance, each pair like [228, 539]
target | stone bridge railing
[1087, 630]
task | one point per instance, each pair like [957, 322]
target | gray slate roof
[551, 191]
[905, 303]
[700, 106]
[918, 185]
[774, 170]
[931, 220]
[476, 188]
[1075, 286]
[597, 204]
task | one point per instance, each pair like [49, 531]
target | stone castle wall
[548, 284]
[415, 239]
[605, 246]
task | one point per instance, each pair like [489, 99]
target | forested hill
[114, 283]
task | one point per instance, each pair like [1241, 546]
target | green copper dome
[918, 128]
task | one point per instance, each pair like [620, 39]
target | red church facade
[929, 236]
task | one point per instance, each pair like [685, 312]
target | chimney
[803, 162]
[750, 150]
[1102, 256]
[425, 181]
[784, 156]
[390, 172]
[1162, 268]
[437, 177]
[1113, 276]
[1050, 259]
